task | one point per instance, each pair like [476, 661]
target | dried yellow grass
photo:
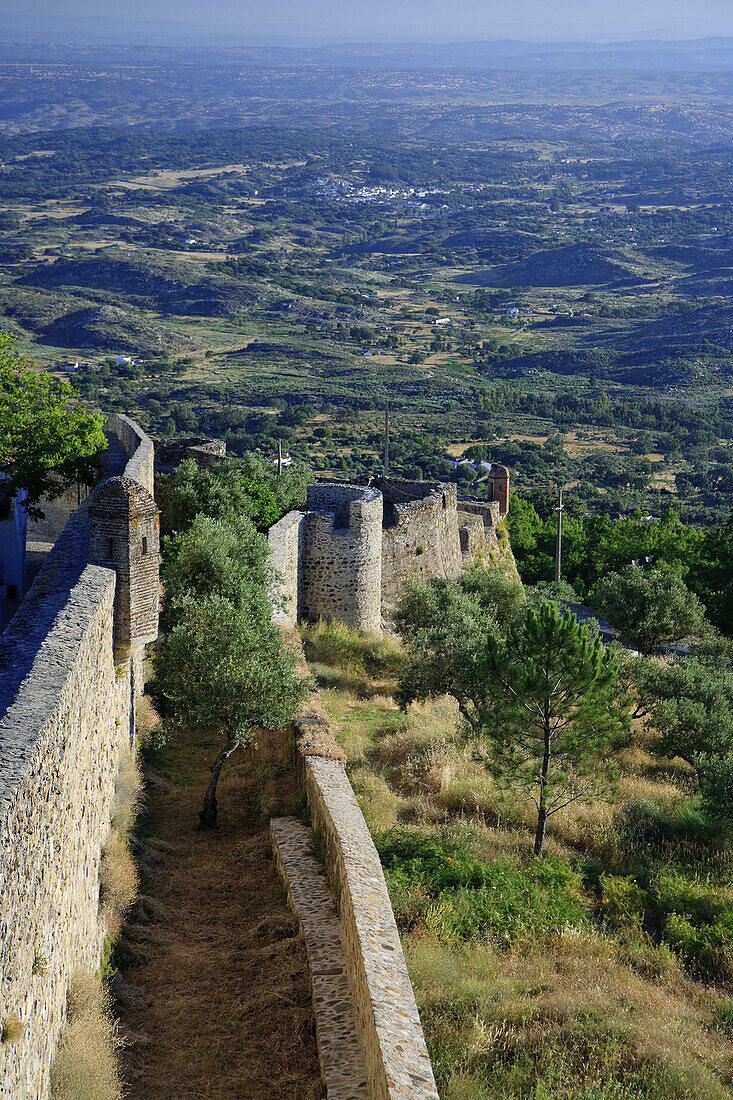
[85, 1067]
[118, 879]
[128, 796]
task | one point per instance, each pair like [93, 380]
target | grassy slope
[593, 1010]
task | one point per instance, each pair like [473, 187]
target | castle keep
[349, 554]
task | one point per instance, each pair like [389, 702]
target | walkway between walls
[213, 990]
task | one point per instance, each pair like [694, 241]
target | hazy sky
[395, 20]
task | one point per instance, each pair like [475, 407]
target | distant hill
[108, 328]
[145, 286]
[103, 37]
[572, 265]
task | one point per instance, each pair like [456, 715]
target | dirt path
[213, 986]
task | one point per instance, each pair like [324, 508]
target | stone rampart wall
[342, 555]
[287, 542]
[57, 513]
[137, 446]
[60, 743]
[66, 715]
[422, 540]
[391, 1034]
[487, 509]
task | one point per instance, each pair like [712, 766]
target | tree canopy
[650, 608]
[46, 442]
[222, 663]
[552, 710]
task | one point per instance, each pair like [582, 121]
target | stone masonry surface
[66, 715]
[341, 575]
[390, 1033]
[349, 555]
[340, 1053]
[398, 1066]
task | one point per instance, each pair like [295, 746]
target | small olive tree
[649, 608]
[221, 663]
[224, 668]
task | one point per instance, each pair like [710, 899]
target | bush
[457, 897]
[722, 1017]
[622, 901]
[698, 923]
[642, 825]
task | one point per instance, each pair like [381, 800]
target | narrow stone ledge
[342, 1061]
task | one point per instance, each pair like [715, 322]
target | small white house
[440, 322]
[122, 359]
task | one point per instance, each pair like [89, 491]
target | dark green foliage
[438, 884]
[246, 487]
[46, 444]
[689, 706]
[649, 608]
[443, 628]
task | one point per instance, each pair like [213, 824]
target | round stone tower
[342, 567]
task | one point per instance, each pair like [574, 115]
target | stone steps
[341, 1055]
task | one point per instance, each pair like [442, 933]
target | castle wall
[66, 714]
[60, 743]
[420, 537]
[342, 555]
[287, 544]
[137, 446]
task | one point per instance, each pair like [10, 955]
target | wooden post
[279, 458]
[558, 541]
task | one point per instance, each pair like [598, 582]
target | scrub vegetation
[602, 970]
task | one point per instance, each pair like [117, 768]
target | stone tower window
[111, 548]
[145, 545]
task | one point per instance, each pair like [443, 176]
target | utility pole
[386, 439]
[558, 541]
[279, 458]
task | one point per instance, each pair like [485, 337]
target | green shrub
[722, 1017]
[622, 901]
[707, 950]
[457, 897]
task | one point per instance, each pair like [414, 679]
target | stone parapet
[137, 446]
[397, 1061]
[287, 544]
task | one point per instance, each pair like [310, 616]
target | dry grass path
[213, 989]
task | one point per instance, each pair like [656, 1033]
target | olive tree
[222, 664]
[650, 608]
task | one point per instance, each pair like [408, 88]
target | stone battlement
[349, 555]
